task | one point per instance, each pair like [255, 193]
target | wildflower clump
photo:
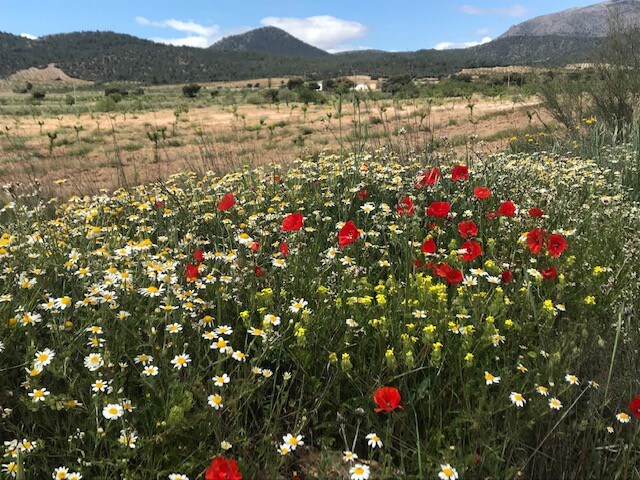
[415, 320]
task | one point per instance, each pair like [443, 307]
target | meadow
[369, 307]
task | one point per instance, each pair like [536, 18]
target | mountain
[114, 57]
[109, 56]
[268, 40]
[590, 21]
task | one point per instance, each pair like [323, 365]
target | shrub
[294, 83]
[106, 104]
[191, 91]
[116, 90]
[612, 95]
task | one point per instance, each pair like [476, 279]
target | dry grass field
[85, 152]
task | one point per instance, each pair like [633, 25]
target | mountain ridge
[112, 57]
[554, 40]
[267, 40]
[589, 21]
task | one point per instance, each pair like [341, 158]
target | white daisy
[447, 472]
[293, 441]
[215, 401]
[517, 399]
[374, 440]
[359, 472]
[555, 404]
[113, 411]
[181, 361]
[491, 379]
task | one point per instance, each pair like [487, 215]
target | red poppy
[405, 207]
[507, 276]
[481, 193]
[508, 209]
[417, 263]
[556, 244]
[387, 399]
[535, 240]
[362, 194]
[460, 172]
[284, 249]
[535, 212]
[348, 234]
[549, 273]
[227, 202]
[222, 468]
[429, 178]
[452, 275]
[159, 203]
[192, 272]
[258, 271]
[467, 229]
[292, 222]
[472, 250]
[438, 209]
[198, 256]
[429, 246]
[441, 269]
[255, 246]
[634, 406]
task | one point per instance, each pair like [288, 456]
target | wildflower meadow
[359, 316]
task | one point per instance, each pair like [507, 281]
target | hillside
[45, 74]
[268, 40]
[590, 21]
[42, 75]
[108, 57]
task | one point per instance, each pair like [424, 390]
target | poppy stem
[418, 444]
[615, 349]
[355, 437]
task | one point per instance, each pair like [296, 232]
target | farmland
[91, 149]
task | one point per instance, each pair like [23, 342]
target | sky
[333, 25]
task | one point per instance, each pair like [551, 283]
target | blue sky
[333, 25]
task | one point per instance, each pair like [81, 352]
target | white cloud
[348, 48]
[322, 31]
[143, 21]
[450, 45]
[512, 11]
[199, 42]
[471, 10]
[192, 27]
[483, 31]
[203, 36]
[29, 36]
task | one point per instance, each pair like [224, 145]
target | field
[89, 149]
[382, 288]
